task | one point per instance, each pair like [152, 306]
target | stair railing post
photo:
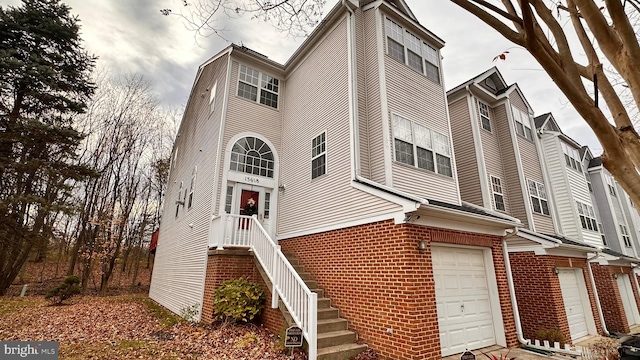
[313, 326]
[276, 278]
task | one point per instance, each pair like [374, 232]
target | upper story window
[612, 188]
[588, 178]
[498, 195]
[418, 146]
[212, 96]
[250, 81]
[538, 196]
[587, 216]
[252, 156]
[319, 155]
[179, 200]
[192, 187]
[409, 49]
[604, 240]
[490, 84]
[572, 157]
[522, 123]
[625, 235]
[484, 116]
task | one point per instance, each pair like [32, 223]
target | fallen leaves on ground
[124, 327]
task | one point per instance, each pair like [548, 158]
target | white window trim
[494, 192]
[590, 220]
[212, 95]
[415, 150]
[326, 167]
[406, 50]
[612, 189]
[571, 155]
[525, 126]
[538, 197]
[488, 116]
[192, 186]
[625, 235]
[179, 200]
[259, 86]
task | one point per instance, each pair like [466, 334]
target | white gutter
[512, 289]
[595, 294]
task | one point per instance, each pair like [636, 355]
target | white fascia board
[408, 202]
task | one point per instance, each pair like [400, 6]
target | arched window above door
[252, 156]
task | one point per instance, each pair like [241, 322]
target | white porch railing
[244, 231]
[555, 347]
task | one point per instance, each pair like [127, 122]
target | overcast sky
[132, 36]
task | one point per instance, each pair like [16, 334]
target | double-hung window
[588, 178]
[538, 196]
[587, 216]
[498, 195]
[257, 86]
[612, 188]
[604, 240]
[522, 123]
[572, 157]
[179, 201]
[421, 147]
[484, 116]
[409, 49]
[319, 155]
[625, 235]
[192, 187]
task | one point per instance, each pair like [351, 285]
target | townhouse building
[337, 171]
[500, 161]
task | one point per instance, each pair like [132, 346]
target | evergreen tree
[44, 82]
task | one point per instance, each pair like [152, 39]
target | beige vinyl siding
[317, 100]
[363, 125]
[531, 165]
[248, 116]
[374, 109]
[180, 261]
[564, 202]
[415, 97]
[511, 176]
[466, 159]
[491, 150]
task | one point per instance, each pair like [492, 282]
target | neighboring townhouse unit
[499, 161]
[618, 260]
[579, 217]
[343, 158]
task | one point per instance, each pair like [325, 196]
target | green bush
[552, 335]
[237, 300]
[64, 291]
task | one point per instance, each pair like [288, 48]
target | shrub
[64, 291]
[237, 300]
[605, 348]
[552, 335]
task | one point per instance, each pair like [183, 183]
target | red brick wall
[539, 295]
[378, 279]
[234, 264]
[610, 300]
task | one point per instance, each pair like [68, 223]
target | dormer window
[490, 84]
[410, 50]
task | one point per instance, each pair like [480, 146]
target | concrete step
[304, 275]
[320, 292]
[335, 338]
[324, 303]
[298, 268]
[341, 352]
[330, 313]
[330, 325]
[311, 284]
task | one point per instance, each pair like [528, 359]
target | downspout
[595, 294]
[512, 289]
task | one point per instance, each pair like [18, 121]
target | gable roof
[541, 120]
[584, 151]
[480, 77]
[595, 162]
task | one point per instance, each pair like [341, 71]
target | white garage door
[573, 305]
[462, 299]
[628, 300]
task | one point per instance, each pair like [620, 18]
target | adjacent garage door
[462, 299]
[573, 304]
[628, 300]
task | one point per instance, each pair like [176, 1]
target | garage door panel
[573, 303]
[462, 300]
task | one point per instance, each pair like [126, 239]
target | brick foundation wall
[539, 294]
[378, 279]
[233, 264]
[610, 300]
